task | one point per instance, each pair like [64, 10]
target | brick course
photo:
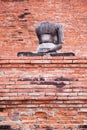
[19, 18]
[40, 93]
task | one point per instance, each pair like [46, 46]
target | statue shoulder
[58, 25]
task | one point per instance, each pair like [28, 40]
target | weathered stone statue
[50, 36]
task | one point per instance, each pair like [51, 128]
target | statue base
[42, 54]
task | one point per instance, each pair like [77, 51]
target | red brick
[39, 104]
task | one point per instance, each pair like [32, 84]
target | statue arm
[54, 49]
[61, 39]
[60, 33]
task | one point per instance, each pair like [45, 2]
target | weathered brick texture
[19, 18]
[43, 93]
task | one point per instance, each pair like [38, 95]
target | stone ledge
[45, 59]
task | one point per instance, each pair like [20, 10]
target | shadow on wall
[13, 0]
[7, 127]
[58, 82]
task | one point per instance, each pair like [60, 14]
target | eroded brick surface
[19, 18]
[44, 93]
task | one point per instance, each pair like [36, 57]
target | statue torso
[48, 38]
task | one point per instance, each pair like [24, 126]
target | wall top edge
[45, 60]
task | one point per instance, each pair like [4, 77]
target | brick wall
[43, 93]
[19, 18]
